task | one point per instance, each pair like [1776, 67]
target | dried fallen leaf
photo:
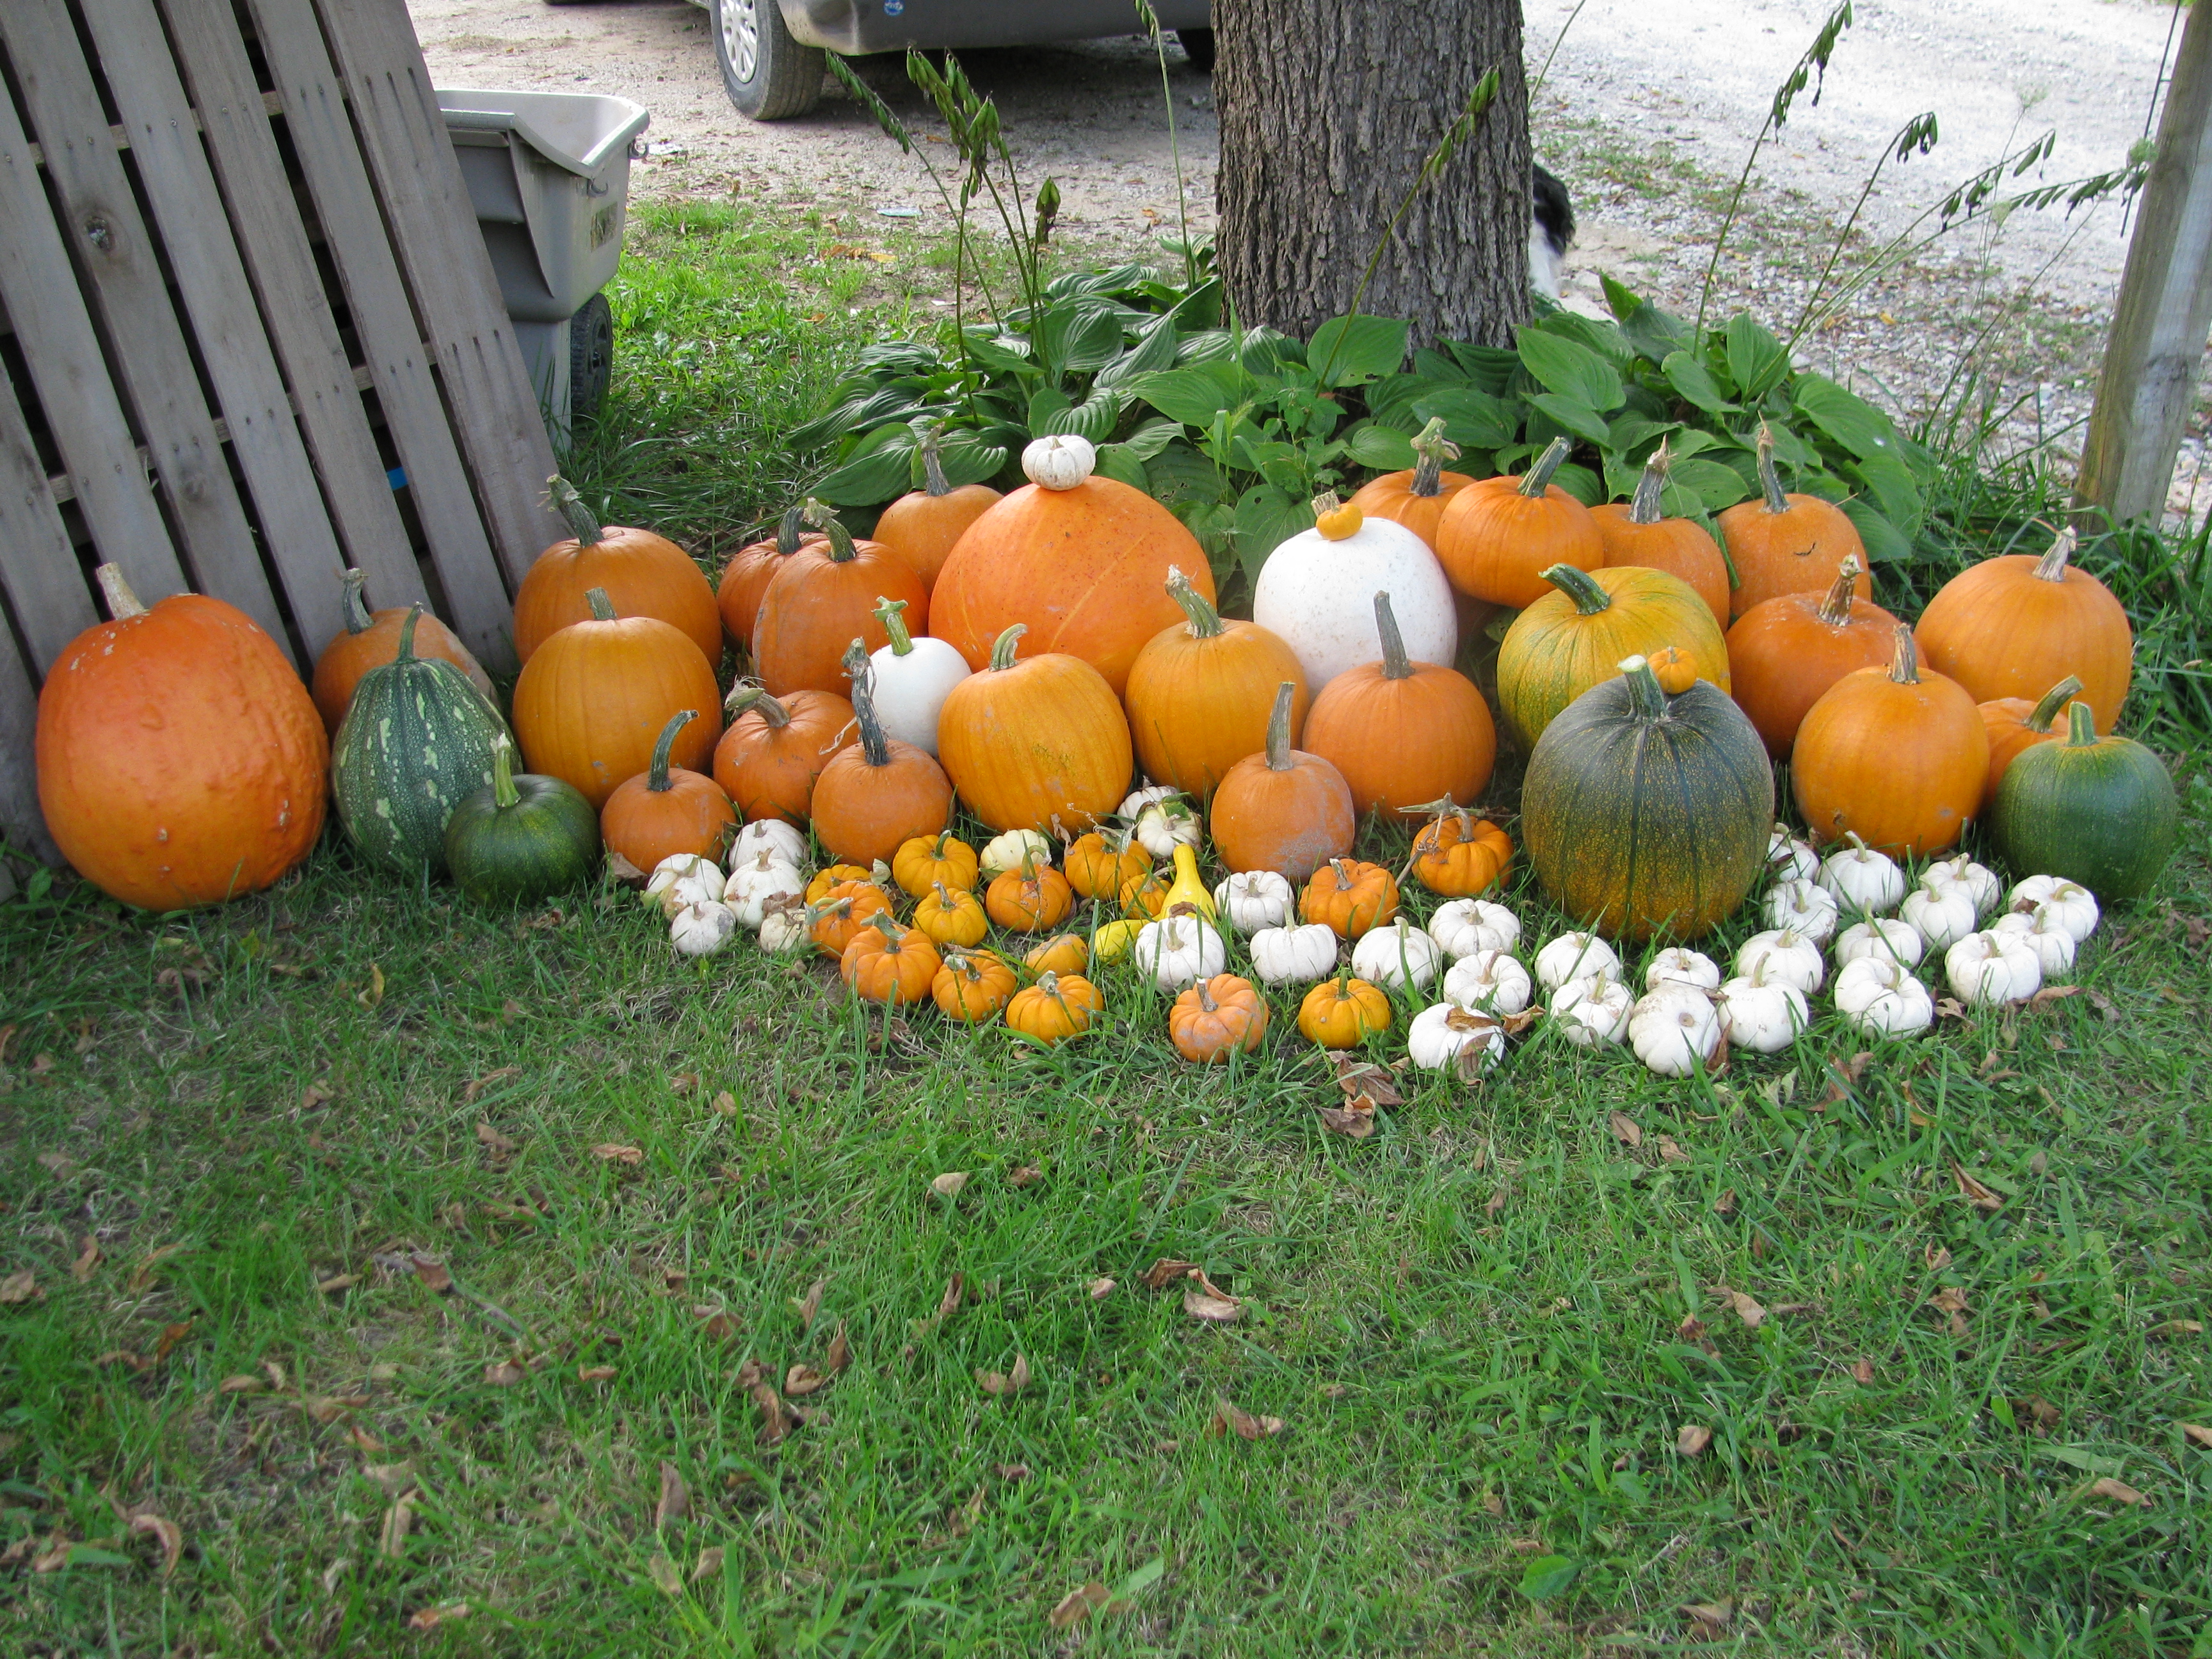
[1357, 1077]
[2118, 1491]
[609, 1151]
[718, 1324]
[329, 1407]
[1936, 1257]
[2051, 993]
[1164, 1272]
[398, 1522]
[1744, 1307]
[432, 1272]
[55, 1556]
[1355, 1118]
[166, 1533]
[1209, 1304]
[2179, 1327]
[20, 1287]
[802, 1380]
[2038, 1413]
[371, 994]
[1010, 1471]
[1953, 1301]
[362, 1440]
[87, 1259]
[666, 1578]
[675, 1501]
[1100, 1289]
[841, 1351]
[2199, 1433]
[595, 1373]
[811, 1304]
[1229, 1418]
[1691, 1438]
[1950, 1008]
[500, 1146]
[504, 1375]
[1000, 1384]
[949, 1303]
[776, 1421]
[949, 1184]
[1708, 1620]
[275, 1373]
[1625, 1130]
[489, 1080]
[240, 1385]
[1725, 1204]
[1863, 1371]
[124, 1356]
[335, 1283]
[397, 1480]
[683, 1082]
[725, 1105]
[1670, 1151]
[1027, 1175]
[431, 1618]
[1075, 1605]
[1973, 1191]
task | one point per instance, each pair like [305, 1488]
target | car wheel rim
[741, 36]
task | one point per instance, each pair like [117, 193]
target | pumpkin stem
[1644, 505]
[933, 463]
[503, 791]
[755, 699]
[1770, 480]
[1205, 620]
[875, 748]
[1538, 478]
[603, 608]
[2081, 726]
[1842, 593]
[586, 529]
[790, 529]
[656, 774]
[1278, 727]
[1445, 808]
[1002, 648]
[2044, 713]
[1904, 658]
[122, 602]
[2051, 567]
[354, 607]
[824, 518]
[1206, 997]
[1397, 666]
[1431, 449]
[891, 613]
[1645, 695]
[1585, 590]
[406, 652]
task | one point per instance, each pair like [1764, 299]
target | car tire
[768, 75]
[1198, 46]
[591, 358]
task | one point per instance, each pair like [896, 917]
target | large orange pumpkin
[1200, 692]
[2014, 625]
[180, 761]
[1499, 535]
[1283, 809]
[642, 574]
[776, 747]
[1083, 564]
[1031, 742]
[1574, 637]
[822, 599]
[1636, 532]
[2015, 725]
[1785, 652]
[1403, 733]
[1896, 757]
[665, 809]
[752, 566]
[1781, 544]
[923, 525]
[370, 641]
[880, 792]
[591, 703]
[1417, 498]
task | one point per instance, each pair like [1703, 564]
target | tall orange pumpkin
[1417, 498]
[1283, 810]
[922, 526]
[590, 704]
[752, 566]
[1786, 651]
[821, 599]
[878, 792]
[1896, 757]
[1499, 535]
[1786, 543]
[1635, 531]
[1200, 692]
[1404, 734]
[369, 642]
[1031, 741]
[642, 574]
[776, 749]
[2015, 725]
[666, 810]
[1081, 561]
[180, 761]
[2014, 625]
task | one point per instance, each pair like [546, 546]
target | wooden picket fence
[249, 336]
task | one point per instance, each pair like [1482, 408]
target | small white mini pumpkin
[1178, 951]
[1294, 956]
[1003, 853]
[1944, 914]
[913, 677]
[787, 843]
[1674, 1030]
[1166, 823]
[1398, 954]
[2074, 906]
[702, 929]
[761, 878]
[1591, 1012]
[1880, 936]
[682, 878]
[1881, 998]
[1060, 461]
[783, 930]
[1804, 906]
[2046, 935]
[1440, 1034]
[1492, 980]
[1987, 969]
[1980, 880]
[1865, 882]
[1789, 859]
[1763, 1015]
[1464, 926]
[1676, 965]
[1254, 899]
[1782, 956]
[1576, 956]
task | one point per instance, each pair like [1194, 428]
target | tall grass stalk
[1175, 146]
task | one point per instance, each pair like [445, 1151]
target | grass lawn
[403, 1256]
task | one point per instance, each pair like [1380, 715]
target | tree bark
[1327, 109]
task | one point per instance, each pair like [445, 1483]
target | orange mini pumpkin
[1417, 498]
[1786, 543]
[1675, 668]
[1403, 733]
[665, 809]
[1057, 1007]
[822, 599]
[1285, 810]
[1100, 864]
[1461, 855]
[884, 962]
[952, 915]
[1063, 953]
[369, 642]
[1028, 899]
[879, 793]
[844, 911]
[923, 526]
[927, 861]
[825, 879]
[2015, 726]
[1499, 535]
[776, 749]
[1217, 1018]
[971, 985]
[642, 574]
[1635, 531]
[1343, 1012]
[1350, 896]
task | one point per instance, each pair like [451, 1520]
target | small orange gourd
[1349, 896]
[1635, 531]
[971, 985]
[1675, 668]
[1101, 863]
[844, 911]
[1057, 1007]
[885, 962]
[927, 861]
[1781, 544]
[665, 809]
[1499, 535]
[1216, 1017]
[1063, 953]
[952, 915]
[825, 879]
[1028, 899]
[1343, 1012]
[1459, 854]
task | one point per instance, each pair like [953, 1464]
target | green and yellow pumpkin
[2098, 811]
[1574, 637]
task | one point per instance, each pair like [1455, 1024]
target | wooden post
[2165, 311]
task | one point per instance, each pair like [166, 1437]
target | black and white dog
[1551, 232]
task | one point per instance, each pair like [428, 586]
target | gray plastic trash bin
[549, 175]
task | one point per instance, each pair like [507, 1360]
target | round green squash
[1644, 815]
[2098, 811]
[522, 839]
[1574, 637]
[416, 740]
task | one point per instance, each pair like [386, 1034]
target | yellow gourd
[1112, 941]
[1186, 888]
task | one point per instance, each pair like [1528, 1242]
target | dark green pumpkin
[522, 838]
[1644, 815]
[2098, 811]
[416, 739]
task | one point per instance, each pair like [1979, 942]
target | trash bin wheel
[591, 358]
[1198, 46]
[768, 75]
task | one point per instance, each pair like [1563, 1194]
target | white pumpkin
[754, 884]
[1060, 461]
[1468, 925]
[1880, 936]
[1178, 951]
[1003, 853]
[2046, 935]
[1492, 980]
[1675, 965]
[1591, 1012]
[787, 843]
[1440, 1034]
[1253, 899]
[1168, 823]
[1576, 956]
[1674, 1030]
[702, 929]
[1294, 956]
[1881, 998]
[1399, 955]
[1943, 915]
[1318, 595]
[1986, 969]
[783, 929]
[1805, 907]
[1784, 956]
[682, 878]
[1979, 879]
[1763, 1015]
[2074, 906]
[913, 677]
[1862, 880]
[1789, 859]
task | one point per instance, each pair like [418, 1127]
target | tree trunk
[1327, 109]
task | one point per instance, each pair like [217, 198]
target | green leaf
[84, 1555]
[1092, 418]
[1755, 358]
[1007, 353]
[1694, 382]
[967, 463]
[1473, 418]
[878, 468]
[1856, 424]
[1267, 349]
[1894, 489]
[1206, 346]
[1120, 463]
[1574, 416]
[1572, 369]
[1180, 474]
[1348, 350]
[1150, 438]
[1142, 1579]
[1701, 485]
[1548, 1576]
[1430, 364]
[1603, 337]
[1631, 432]
[1579, 482]
[1193, 394]
[1884, 544]
[1155, 349]
[1379, 447]
[1266, 518]
[1079, 336]
[1490, 367]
